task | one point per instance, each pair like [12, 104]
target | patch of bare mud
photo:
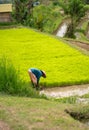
[68, 91]
[4, 126]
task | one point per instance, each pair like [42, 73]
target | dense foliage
[40, 16]
[87, 1]
[46, 15]
[5, 1]
[21, 9]
[76, 9]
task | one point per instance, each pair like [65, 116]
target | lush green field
[27, 48]
[36, 114]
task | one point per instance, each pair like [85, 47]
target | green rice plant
[63, 64]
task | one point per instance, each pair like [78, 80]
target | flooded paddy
[60, 92]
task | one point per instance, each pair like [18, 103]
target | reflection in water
[62, 30]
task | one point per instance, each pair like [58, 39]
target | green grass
[36, 114]
[70, 100]
[27, 48]
[83, 37]
[86, 96]
[85, 26]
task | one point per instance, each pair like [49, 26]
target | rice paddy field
[26, 48]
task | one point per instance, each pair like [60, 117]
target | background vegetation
[47, 16]
[42, 16]
[5, 1]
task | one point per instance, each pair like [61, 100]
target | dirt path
[83, 45]
[59, 92]
[4, 126]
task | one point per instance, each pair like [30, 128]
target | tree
[87, 1]
[76, 10]
[21, 9]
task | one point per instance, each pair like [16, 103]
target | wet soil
[59, 92]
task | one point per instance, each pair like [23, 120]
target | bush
[56, 3]
[10, 81]
[5, 1]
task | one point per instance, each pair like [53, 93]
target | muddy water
[60, 92]
[86, 123]
[62, 30]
